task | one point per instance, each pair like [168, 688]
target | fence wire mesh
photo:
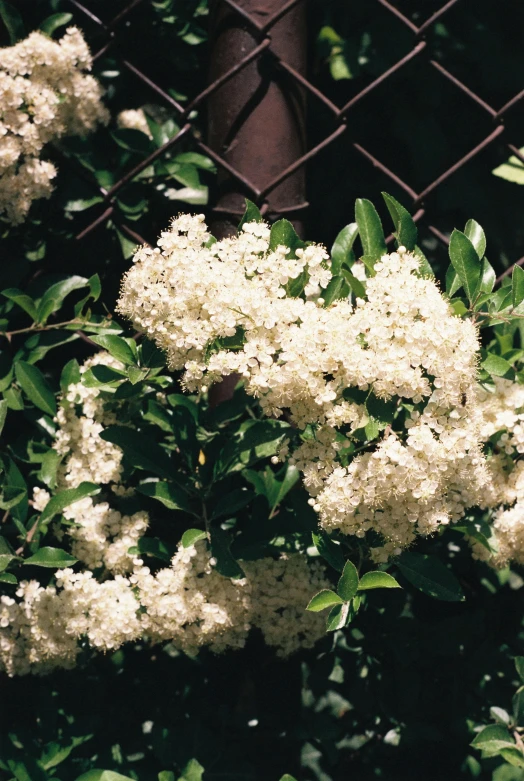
[340, 127]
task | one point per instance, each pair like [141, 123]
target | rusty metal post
[256, 120]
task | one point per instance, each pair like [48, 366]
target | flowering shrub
[374, 433]
[45, 94]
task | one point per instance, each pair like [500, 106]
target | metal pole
[256, 120]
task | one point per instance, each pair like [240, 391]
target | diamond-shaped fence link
[263, 22]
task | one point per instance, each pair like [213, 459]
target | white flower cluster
[44, 94]
[402, 344]
[188, 604]
[101, 535]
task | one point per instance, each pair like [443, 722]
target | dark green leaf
[256, 439]
[329, 550]
[377, 580]
[124, 350]
[429, 575]
[476, 235]
[355, 284]
[518, 707]
[337, 617]
[24, 301]
[370, 230]
[229, 504]
[191, 536]
[517, 281]
[55, 558]
[66, 498]
[251, 214]
[168, 494]
[496, 365]
[55, 21]
[226, 563]
[140, 450]
[35, 387]
[151, 546]
[12, 19]
[487, 281]
[466, 263]
[54, 296]
[3, 413]
[337, 288]
[519, 666]
[492, 738]
[424, 269]
[342, 249]
[284, 234]
[348, 583]
[70, 375]
[405, 228]
[8, 577]
[323, 600]
[99, 375]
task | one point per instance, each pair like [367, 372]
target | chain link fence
[348, 123]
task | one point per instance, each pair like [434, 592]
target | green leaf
[230, 504]
[103, 775]
[255, 439]
[287, 777]
[168, 494]
[193, 771]
[405, 228]
[166, 775]
[12, 19]
[251, 214]
[377, 579]
[512, 170]
[517, 282]
[3, 413]
[24, 301]
[99, 376]
[8, 577]
[496, 365]
[429, 575]
[191, 536]
[70, 375]
[66, 498]
[492, 739]
[513, 756]
[140, 450]
[284, 234]
[476, 235]
[55, 558]
[518, 707]
[466, 263]
[226, 564]
[55, 21]
[329, 550]
[370, 230]
[54, 296]
[355, 284]
[337, 617]
[337, 288]
[49, 467]
[151, 546]
[519, 666]
[424, 269]
[35, 387]
[323, 600]
[124, 350]
[342, 249]
[348, 583]
[488, 277]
